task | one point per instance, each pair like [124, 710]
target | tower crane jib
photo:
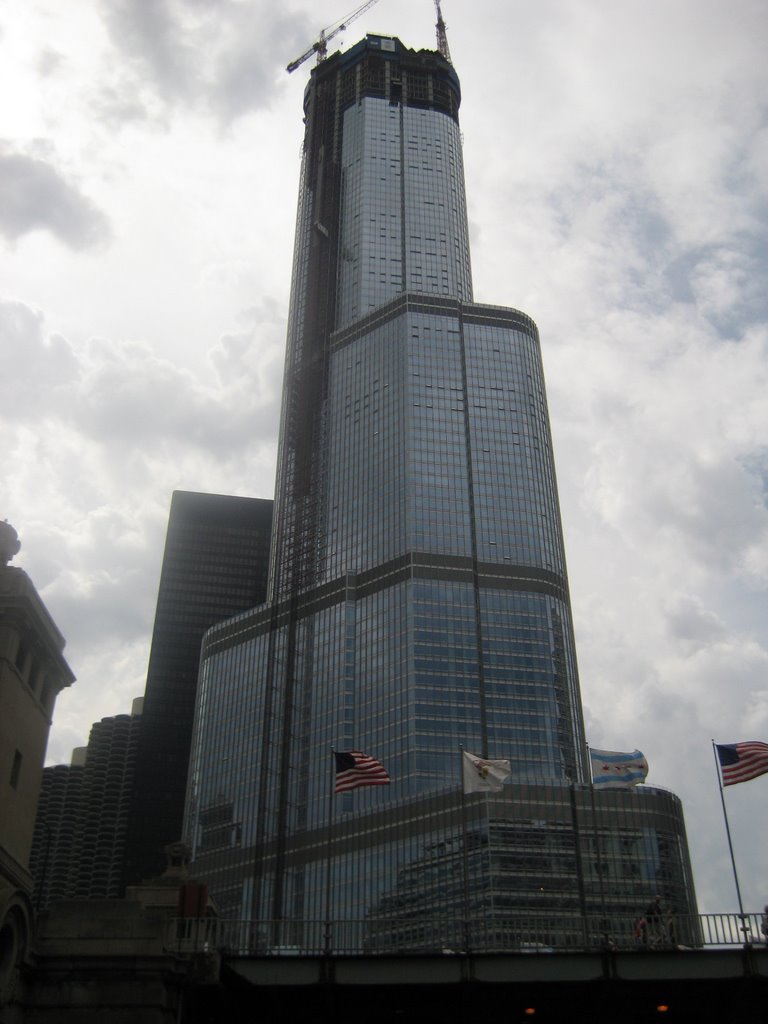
[320, 45]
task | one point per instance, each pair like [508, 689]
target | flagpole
[577, 845]
[728, 833]
[327, 927]
[598, 851]
[465, 853]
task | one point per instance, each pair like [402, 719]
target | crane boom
[320, 45]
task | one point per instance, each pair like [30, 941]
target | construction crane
[442, 37]
[320, 46]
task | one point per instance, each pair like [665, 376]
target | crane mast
[442, 36]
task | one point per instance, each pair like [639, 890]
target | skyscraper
[214, 564]
[418, 595]
[82, 815]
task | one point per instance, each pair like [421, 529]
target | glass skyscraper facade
[418, 595]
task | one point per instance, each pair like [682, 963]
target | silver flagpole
[465, 852]
[728, 833]
[598, 848]
[578, 851]
[327, 937]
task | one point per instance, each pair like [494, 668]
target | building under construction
[418, 592]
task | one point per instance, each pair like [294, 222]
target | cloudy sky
[616, 157]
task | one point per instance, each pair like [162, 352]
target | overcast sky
[616, 156]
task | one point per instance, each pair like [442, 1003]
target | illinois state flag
[612, 769]
[740, 762]
[479, 775]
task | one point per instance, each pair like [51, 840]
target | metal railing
[443, 935]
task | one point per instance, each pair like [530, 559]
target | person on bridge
[656, 918]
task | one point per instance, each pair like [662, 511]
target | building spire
[442, 38]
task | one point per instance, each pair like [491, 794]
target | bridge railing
[490, 934]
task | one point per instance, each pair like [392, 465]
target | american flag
[740, 762]
[353, 769]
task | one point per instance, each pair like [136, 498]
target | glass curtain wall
[418, 594]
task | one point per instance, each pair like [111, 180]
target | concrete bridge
[104, 962]
[726, 986]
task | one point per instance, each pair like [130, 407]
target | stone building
[32, 674]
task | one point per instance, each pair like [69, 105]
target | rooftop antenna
[442, 38]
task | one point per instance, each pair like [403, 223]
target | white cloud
[35, 196]
[35, 367]
[692, 626]
[221, 57]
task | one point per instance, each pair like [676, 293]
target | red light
[530, 1011]
[662, 1008]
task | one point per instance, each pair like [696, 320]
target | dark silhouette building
[214, 566]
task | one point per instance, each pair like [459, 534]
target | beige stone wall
[104, 962]
[23, 739]
[32, 673]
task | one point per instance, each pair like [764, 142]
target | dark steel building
[418, 592]
[214, 565]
